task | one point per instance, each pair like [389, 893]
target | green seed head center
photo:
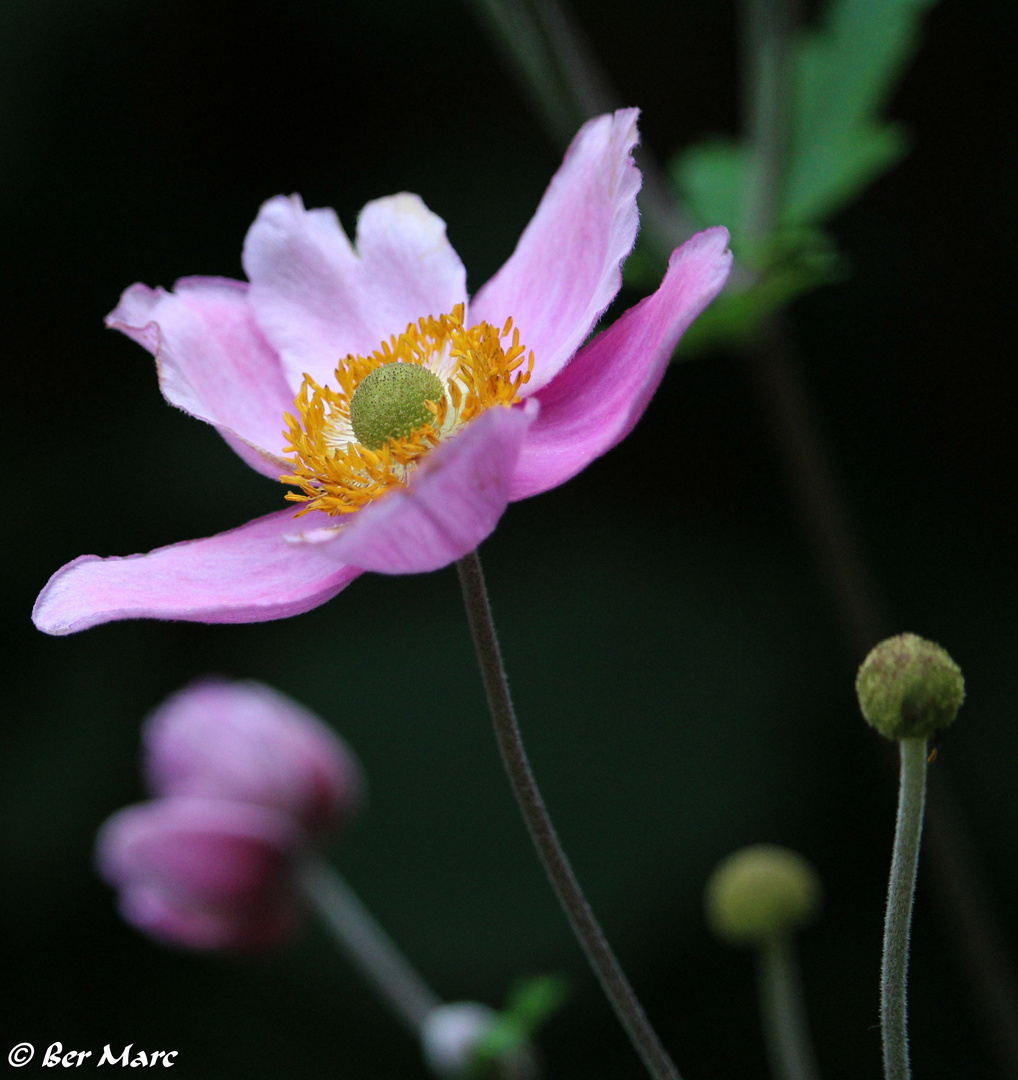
[390, 403]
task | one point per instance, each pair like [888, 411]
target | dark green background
[679, 671]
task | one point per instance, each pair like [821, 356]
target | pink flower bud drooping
[220, 738]
[204, 873]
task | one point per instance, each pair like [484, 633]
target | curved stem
[784, 1018]
[368, 945]
[900, 893]
[567, 888]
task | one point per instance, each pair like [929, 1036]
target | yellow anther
[339, 469]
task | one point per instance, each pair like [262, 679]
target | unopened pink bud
[205, 873]
[245, 741]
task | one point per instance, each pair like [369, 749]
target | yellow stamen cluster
[337, 473]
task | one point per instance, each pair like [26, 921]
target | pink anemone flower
[405, 415]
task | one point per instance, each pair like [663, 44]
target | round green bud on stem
[389, 403]
[760, 893]
[909, 688]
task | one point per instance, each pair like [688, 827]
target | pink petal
[316, 299]
[166, 920]
[595, 402]
[200, 850]
[213, 362]
[453, 502]
[243, 740]
[250, 574]
[203, 872]
[567, 266]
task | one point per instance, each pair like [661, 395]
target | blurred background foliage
[680, 673]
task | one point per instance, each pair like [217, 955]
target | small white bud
[451, 1032]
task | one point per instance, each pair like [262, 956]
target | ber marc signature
[56, 1055]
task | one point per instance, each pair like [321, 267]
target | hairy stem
[535, 814]
[898, 923]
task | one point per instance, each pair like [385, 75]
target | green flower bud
[909, 688]
[760, 893]
[389, 403]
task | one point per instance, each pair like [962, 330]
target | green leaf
[529, 1005]
[534, 1001]
[845, 70]
[809, 260]
[712, 177]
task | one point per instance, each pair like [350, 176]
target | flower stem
[368, 945]
[784, 1018]
[568, 84]
[769, 29]
[900, 893]
[542, 832]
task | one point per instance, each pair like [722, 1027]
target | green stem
[519, 36]
[568, 84]
[567, 888]
[769, 32]
[900, 893]
[784, 1017]
[368, 945]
